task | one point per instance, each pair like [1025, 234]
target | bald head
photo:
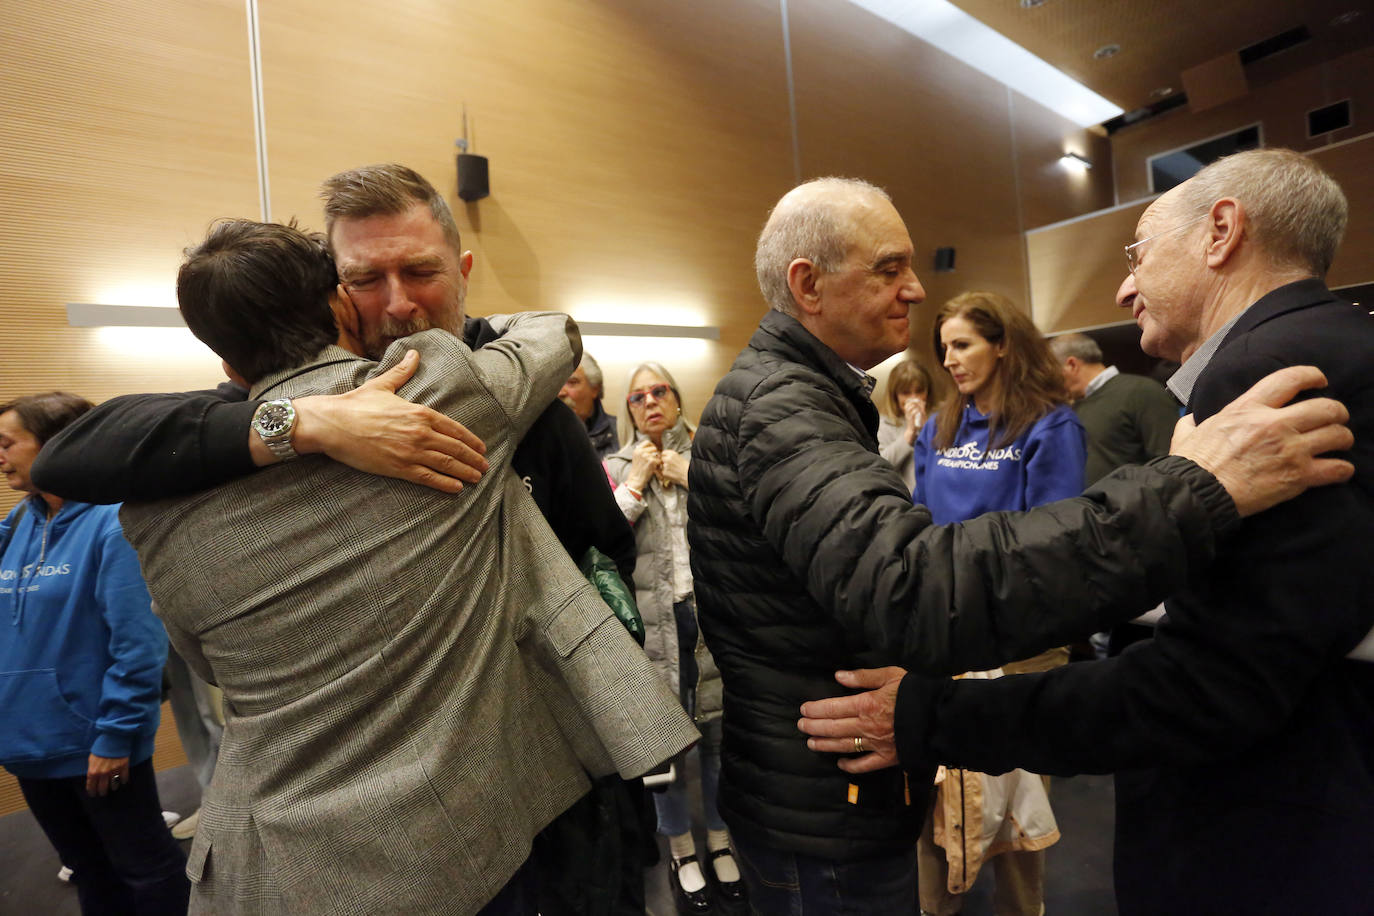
[815, 221]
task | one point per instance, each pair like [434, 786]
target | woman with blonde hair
[906, 402]
[1006, 441]
[650, 473]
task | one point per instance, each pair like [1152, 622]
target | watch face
[273, 419]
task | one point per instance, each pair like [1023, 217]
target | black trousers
[122, 856]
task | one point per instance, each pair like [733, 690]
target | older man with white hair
[1242, 735]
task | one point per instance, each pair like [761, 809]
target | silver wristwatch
[274, 422]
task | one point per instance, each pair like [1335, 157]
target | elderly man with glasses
[1242, 735]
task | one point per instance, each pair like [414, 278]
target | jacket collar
[1300, 294]
[785, 336]
[328, 356]
[1290, 297]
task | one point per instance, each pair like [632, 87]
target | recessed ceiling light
[1345, 18]
[1032, 4]
[1106, 51]
[1163, 92]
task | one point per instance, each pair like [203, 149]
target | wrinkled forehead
[873, 224]
[1162, 214]
[412, 233]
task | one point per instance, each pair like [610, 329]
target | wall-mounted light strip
[616, 329]
[81, 315]
[1075, 161]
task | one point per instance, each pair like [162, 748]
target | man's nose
[1126, 292]
[398, 302]
[912, 290]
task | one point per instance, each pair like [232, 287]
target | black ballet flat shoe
[688, 902]
[732, 893]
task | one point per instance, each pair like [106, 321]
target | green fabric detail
[600, 570]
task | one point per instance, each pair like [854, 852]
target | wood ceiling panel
[1161, 38]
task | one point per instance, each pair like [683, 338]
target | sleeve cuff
[113, 746]
[1221, 508]
[913, 719]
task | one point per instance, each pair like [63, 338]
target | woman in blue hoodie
[1007, 441]
[81, 658]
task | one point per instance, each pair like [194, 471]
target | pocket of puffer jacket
[36, 721]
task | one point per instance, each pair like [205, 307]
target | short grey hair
[592, 370]
[1080, 346]
[812, 222]
[1294, 210]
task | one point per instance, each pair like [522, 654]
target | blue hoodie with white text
[81, 652]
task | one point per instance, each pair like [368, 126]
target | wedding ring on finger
[858, 745]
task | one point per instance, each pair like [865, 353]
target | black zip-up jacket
[809, 557]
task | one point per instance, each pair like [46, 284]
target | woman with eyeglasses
[1006, 441]
[81, 658]
[650, 473]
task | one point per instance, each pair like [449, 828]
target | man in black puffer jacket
[808, 555]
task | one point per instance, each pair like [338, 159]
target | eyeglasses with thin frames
[636, 398]
[1133, 249]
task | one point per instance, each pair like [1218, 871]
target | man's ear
[233, 375]
[465, 264]
[804, 280]
[1226, 231]
[346, 317]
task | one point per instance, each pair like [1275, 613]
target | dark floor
[1078, 880]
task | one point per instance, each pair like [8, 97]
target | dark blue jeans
[788, 884]
[122, 856]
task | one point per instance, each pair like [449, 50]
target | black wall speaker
[472, 177]
[944, 260]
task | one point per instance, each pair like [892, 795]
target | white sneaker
[64, 874]
[170, 817]
[187, 828]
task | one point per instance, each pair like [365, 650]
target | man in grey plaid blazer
[415, 683]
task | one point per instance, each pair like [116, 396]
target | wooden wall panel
[126, 127]
[634, 149]
[1077, 267]
[1049, 191]
[1281, 106]
[1352, 164]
